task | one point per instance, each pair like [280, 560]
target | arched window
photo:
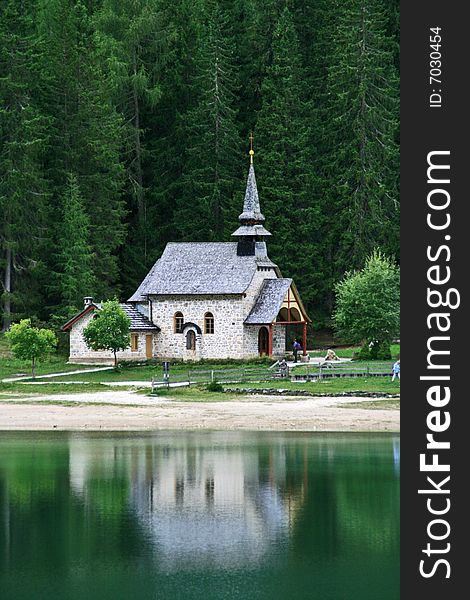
[178, 322]
[190, 340]
[208, 323]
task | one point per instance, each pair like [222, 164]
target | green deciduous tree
[109, 329]
[368, 302]
[30, 343]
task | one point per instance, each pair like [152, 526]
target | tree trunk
[139, 180]
[33, 367]
[7, 290]
[115, 359]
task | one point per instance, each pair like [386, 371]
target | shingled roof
[269, 301]
[251, 206]
[198, 268]
[139, 322]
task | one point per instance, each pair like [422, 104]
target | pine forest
[125, 124]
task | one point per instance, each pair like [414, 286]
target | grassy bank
[331, 386]
[9, 391]
[349, 352]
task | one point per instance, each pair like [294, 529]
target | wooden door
[263, 341]
[149, 346]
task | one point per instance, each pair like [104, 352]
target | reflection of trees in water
[352, 499]
[197, 499]
[45, 525]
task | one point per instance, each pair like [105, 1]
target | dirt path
[127, 410]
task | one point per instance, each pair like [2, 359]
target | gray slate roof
[251, 206]
[251, 230]
[269, 301]
[198, 268]
[139, 322]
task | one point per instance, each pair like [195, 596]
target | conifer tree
[74, 277]
[146, 101]
[131, 37]
[23, 134]
[284, 158]
[166, 131]
[361, 177]
[211, 175]
[85, 129]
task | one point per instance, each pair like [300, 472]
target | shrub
[214, 386]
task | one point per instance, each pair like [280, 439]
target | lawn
[381, 403]
[10, 391]
[177, 370]
[9, 367]
[348, 352]
[195, 394]
[12, 367]
[332, 386]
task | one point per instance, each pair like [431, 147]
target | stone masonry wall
[80, 353]
[231, 338]
[225, 342]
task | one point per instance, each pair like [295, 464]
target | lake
[203, 515]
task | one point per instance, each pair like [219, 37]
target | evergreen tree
[74, 277]
[166, 131]
[361, 176]
[85, 130]
[146, 101]
[207, 209]
[22, 140]
[284, 160]
[131, 38]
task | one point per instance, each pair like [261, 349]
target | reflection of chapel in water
[228, 499]
[201, 504]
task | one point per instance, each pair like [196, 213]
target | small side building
[142, 331]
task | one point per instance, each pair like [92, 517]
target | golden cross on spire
[252, 152]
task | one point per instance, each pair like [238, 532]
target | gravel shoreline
[126, 411]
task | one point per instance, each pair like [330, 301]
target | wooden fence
[331, 370]
[309, 372]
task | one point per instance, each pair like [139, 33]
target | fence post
[189, 378]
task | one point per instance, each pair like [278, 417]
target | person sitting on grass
[283, 367]
[331, 355]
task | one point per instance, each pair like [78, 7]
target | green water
[215, 515]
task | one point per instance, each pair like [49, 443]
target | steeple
[251, 232]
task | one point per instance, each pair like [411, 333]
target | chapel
[207, 300]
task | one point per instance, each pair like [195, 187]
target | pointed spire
[251, 219]
[251, 207]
